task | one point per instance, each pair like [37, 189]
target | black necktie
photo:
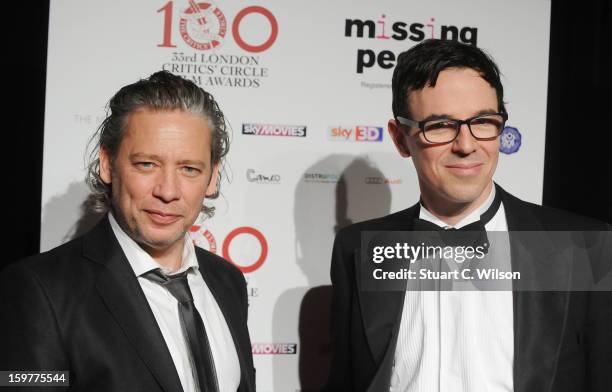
[192, 325]
[473, 234]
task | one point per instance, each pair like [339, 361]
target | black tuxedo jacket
[562, 340]
[79, 307]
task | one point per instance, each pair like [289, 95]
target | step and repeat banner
[306, 88]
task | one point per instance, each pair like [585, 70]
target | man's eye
[492, 121]
[440, 125]
[145, 165]
[484, 121]
[191, 170]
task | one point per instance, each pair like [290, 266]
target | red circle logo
[201, 238]
[203, 26]
[262, 242]
[236, 29]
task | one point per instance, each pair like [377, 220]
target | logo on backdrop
[245, 263]
[274, 130]
[203, 27]
[235, 249]
[203, 238]
[326, 178]
[252, 287]
[510, 140]
[359, 133]
[253, 176]
[382, 181]
[381, 29]
[274, 348]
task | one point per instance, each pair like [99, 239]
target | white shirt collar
[472, 217]
[141, 262]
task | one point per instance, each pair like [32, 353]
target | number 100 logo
[203, 26]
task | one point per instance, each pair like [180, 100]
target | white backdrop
[292, 69]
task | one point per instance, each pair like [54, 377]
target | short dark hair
[162, 91]
[421, 65]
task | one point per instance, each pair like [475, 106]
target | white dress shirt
[456, 341]
[165, 309]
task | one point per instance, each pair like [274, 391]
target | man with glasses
[448, 115]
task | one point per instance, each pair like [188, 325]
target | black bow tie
[473, 234]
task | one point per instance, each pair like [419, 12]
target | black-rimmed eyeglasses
[445, 130]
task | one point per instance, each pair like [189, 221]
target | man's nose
[464, 143]
[167, 187]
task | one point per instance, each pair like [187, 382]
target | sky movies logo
[274, 130]
[383, 30]
[274, 348]
[359, 133]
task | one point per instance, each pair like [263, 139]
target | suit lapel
[231, 312]
[381, 310]
[382, 314]
[121, 292]
[539, 317]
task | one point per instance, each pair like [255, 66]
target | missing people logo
[510, 140]
[203, 25]
[383, 30]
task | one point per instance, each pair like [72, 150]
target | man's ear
[212, 190]
[105, 166]
[396, 131]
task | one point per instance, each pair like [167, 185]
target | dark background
[578, 132]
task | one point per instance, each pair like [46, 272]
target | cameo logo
[359, 133]
[274, 130]
[253, 176]
[274, 348]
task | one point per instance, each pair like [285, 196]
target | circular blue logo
[510, 140]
